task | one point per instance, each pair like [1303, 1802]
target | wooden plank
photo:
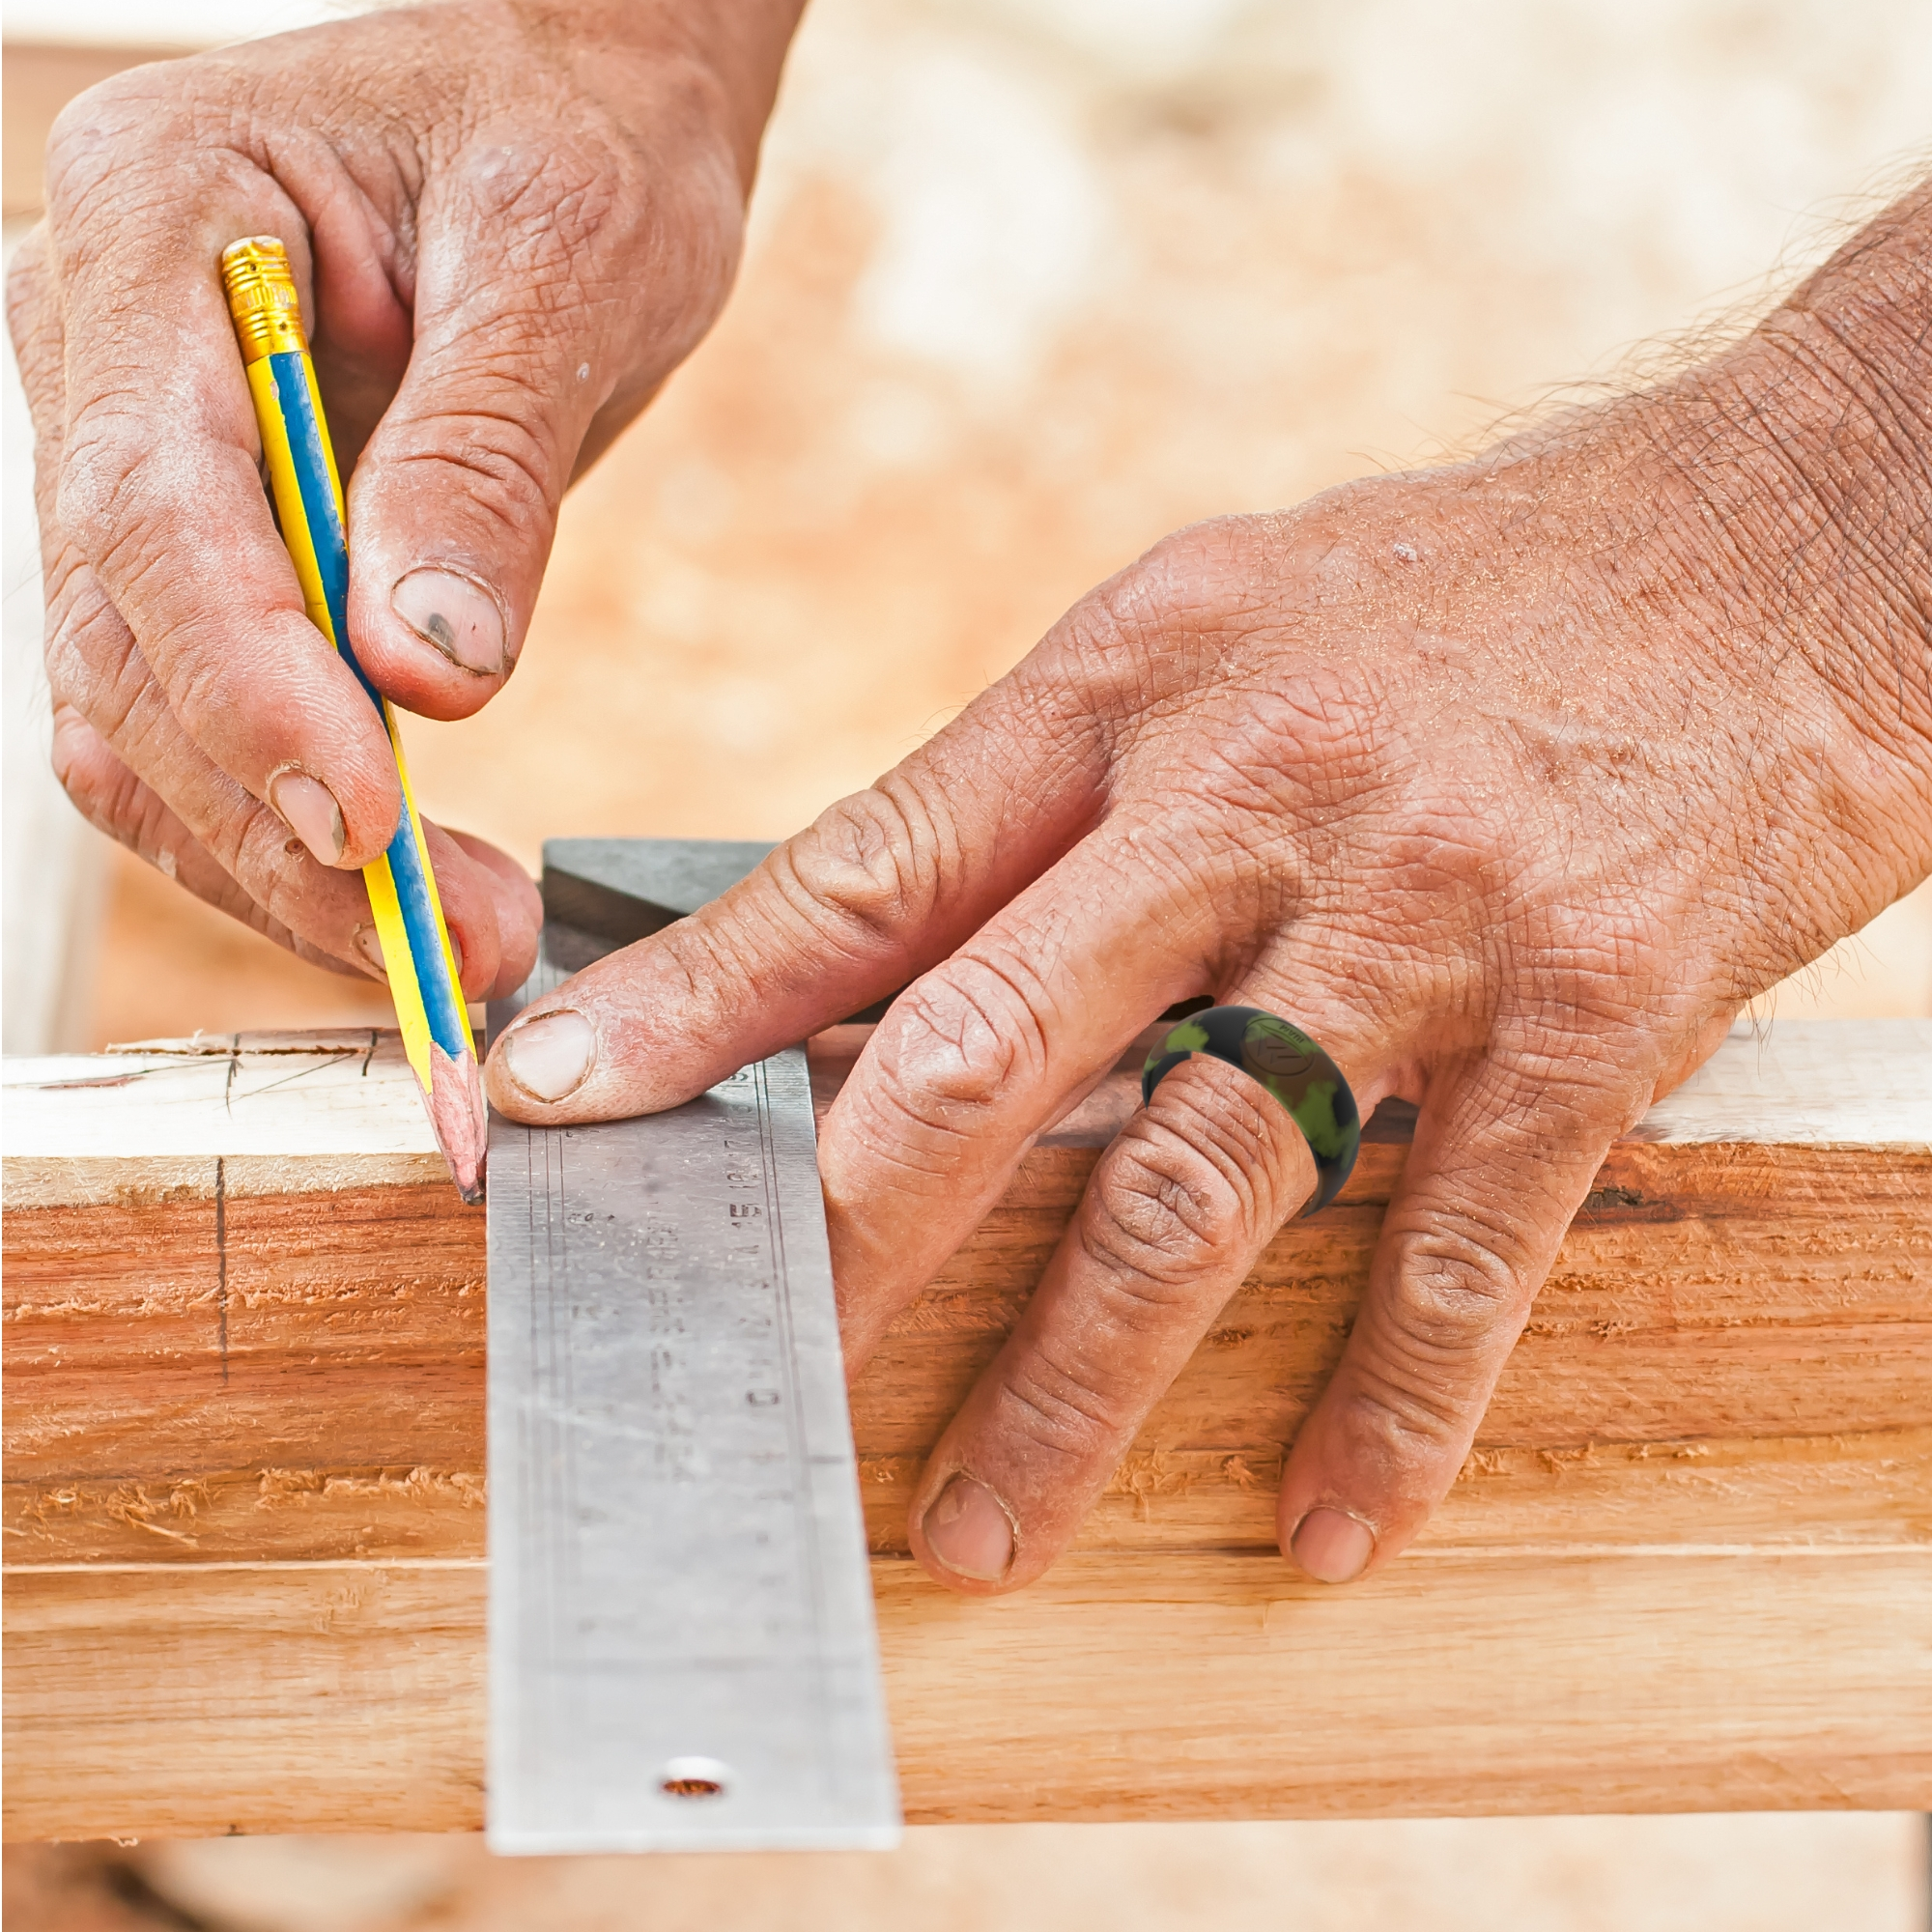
[177, 1700]
[1687, 1565]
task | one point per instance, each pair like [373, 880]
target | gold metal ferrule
[262, 296]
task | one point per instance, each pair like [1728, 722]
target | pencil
[308, 495]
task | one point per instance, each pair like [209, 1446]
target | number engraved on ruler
[676, 1447]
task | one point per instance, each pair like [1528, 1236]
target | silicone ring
[1283, 1060]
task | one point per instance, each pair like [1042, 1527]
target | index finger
[882, 886]
[157, 480]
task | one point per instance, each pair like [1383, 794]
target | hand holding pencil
[478, 343]
[415, 938]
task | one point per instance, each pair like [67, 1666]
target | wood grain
[1687, 1565]
[177, 1700]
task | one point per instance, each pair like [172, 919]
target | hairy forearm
[1808, 451]
[1757, 534]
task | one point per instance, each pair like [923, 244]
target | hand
[1510, 783]
[509, 224]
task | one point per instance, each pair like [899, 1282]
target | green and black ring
[1285, 1061]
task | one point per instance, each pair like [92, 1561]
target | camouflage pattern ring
[1285, 1061]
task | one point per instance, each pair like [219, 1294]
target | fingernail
[456, 953]
[970, 1531]
[369, 943]
[458, 618]
[1333, 1546]
[550, 1057]
[310, 811]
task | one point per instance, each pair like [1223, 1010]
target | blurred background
[1029, 283]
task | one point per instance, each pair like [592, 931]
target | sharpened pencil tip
[460, 1118]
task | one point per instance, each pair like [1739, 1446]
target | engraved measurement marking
[679, 1601]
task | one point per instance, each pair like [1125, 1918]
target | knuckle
[126, 99]
[1168, 1209]
[1119, 653]
[30, 290]
[580, 198]
[203, 699]
[872, 861]
[271, 869]
[93, 134]
[267, 870]
[100, 502]
[1455, 1290]
[1195, 586]
[958, 1039]
[100, 787]
[90, 653]
[93, 662]
[555, 190]
[76, 750]
[1056, 1409]
[1403, 1429]
[1321, 739]
[1208, 571]
[514, 468]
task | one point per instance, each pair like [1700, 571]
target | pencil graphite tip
[460, 1118]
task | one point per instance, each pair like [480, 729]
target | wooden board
[1687, 1566]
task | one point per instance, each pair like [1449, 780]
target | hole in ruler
[694, 1777]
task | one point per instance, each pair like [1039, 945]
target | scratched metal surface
[682, 1649]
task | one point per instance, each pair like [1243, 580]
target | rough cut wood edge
[1596, 1624]
[348, 1095]
[1733, 1344]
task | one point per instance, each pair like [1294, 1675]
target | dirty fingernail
[970, 1531]
[369, 943]
[458, 618]
[309, 810]
[1333, 1546]
[549, 1057]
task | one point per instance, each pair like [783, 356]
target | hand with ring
[1506, 784]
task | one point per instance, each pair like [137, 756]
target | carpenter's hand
[1508, 781]
[509, 223]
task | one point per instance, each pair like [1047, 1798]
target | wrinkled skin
[509, 223]
[1509, 782]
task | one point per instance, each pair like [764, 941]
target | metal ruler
[682, 1651]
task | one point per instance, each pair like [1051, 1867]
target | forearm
[1808, 454]
[740, 44]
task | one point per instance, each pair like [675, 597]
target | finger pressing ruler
[682, 1648]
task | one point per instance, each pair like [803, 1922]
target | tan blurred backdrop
[1030, 282]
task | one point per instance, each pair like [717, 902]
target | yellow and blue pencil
[403, 897]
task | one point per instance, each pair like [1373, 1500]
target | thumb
[1505, 1150]
[525, 324]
